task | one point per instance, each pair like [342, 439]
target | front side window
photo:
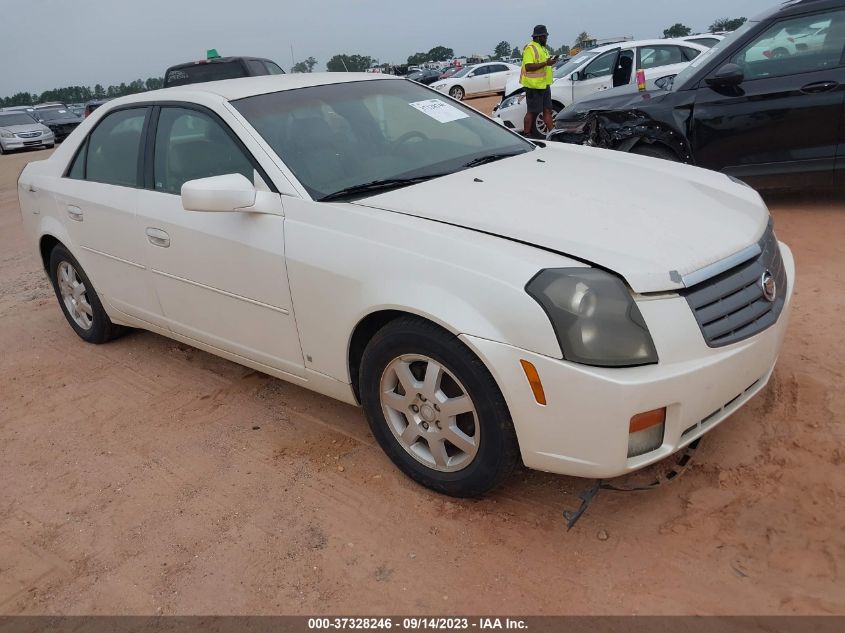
[189, 145]
[274, 69]
[799, 45]
[603, 66]
[338, 136]
[113, 152]
[481, 70]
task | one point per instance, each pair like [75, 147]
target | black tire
[655, 151]
[456, 92]
[497, 453]
[780, 53]
[101, 329]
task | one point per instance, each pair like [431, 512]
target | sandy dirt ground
[145, 477]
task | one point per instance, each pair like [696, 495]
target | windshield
[50, 115]
[573, 64]
[462, 72]
[344, 135]
[202, 72]
[16, 119]
[683, 76]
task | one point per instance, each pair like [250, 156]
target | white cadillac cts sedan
[487, 301]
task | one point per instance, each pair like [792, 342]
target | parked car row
[764, 105]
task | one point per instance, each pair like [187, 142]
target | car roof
[233, 89]
[219, 60]
[637, 44]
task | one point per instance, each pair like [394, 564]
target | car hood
[63, 120]
[18, 129]
[650, 221]
[622, 98]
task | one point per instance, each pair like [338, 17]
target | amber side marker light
[534, 381]
[645, 432]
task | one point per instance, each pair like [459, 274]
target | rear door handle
[74, 213]
[157, 237]
[820, 86]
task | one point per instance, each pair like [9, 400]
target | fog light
[645, 432]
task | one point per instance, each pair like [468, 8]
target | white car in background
[600, 69]
[361, 237]
[478, 80]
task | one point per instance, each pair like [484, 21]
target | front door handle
[158, 237]
[74, 213]
[819, 86]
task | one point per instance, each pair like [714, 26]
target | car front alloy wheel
[436, 410]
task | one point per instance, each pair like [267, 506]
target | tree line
[81, 94]
[338, 63]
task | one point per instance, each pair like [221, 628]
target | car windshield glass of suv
[678, 83]
[347, 135]
[7, 120]
[573, 64]
[52, 115]
[201, 72]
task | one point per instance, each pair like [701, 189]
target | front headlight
[513, 100]
[595, 318]
[440, 86]
[6, 134]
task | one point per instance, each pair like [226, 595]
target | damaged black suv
[764, 105]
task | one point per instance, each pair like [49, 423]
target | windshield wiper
[490, 158]
[377, 185]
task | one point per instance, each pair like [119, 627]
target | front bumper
[513, 117]
[11, 144]
[583, 429]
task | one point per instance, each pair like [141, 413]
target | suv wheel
[435, 409]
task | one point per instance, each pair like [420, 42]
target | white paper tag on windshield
[439, 110]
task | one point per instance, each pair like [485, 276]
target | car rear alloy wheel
[78, 299]
[435, 409]
[75, 296]
[457, 93]
[430, 413]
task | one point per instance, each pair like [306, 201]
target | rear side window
[256, 67]
[656, 56]
[111, 153]
[190, 145]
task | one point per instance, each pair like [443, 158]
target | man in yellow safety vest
[536, 77]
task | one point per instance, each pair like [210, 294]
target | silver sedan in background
[19, 130]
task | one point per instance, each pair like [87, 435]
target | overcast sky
[55, 43]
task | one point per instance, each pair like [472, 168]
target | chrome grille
[731, 306]
[28, 134]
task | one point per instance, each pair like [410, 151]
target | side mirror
[729, 75]
[231, 192]
[576, 76]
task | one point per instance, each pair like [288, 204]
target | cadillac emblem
[770, 288]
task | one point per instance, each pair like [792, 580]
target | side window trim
[139, 181]
[149, 155]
